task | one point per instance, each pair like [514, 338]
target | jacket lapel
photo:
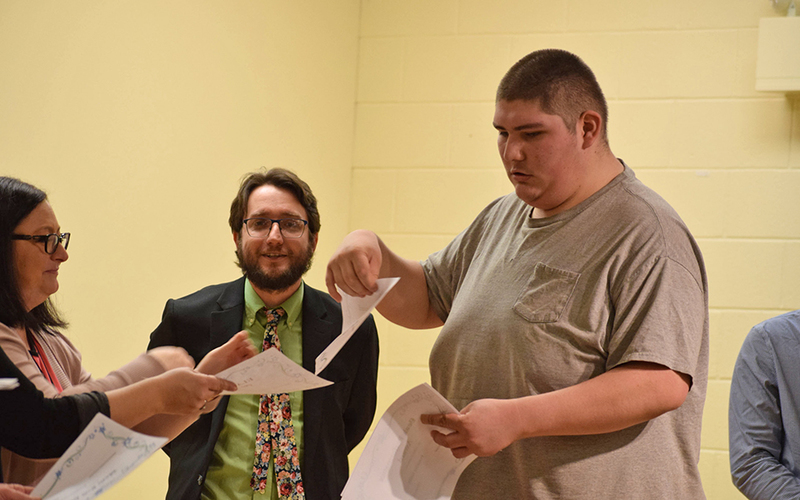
[318, 332]
[227, 321]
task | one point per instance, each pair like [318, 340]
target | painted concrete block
[622, 15]
[671, 64]
[794, 157]
[769, 202]
[731, 133]
[380, 69]
[402, 135]
[722, 13]
[512, 16]
[744, 273]
[474, 139]
[394, 381]
[464, 68]
[401, 347]
[790, 278]
[697, 195]
[639, 131]
[408, 17]
[715, 415]
[443, 200]
[728, 331]
[715, 473]
[372, 198]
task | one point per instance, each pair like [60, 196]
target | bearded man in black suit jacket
[275, 225]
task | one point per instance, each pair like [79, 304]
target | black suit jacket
[336, 417]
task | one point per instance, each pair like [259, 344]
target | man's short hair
[280, 178]
[560, 82]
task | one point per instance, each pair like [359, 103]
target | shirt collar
[253, 303]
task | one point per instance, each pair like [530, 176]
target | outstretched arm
[627, 395]
[234, 351]
[361, 259]
[177, 392]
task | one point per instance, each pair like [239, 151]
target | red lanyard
[41, 361]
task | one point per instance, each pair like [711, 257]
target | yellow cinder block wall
[680, 80]
[139, 117]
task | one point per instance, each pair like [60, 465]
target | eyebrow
[263, 214]
[48, 228]
[521, 127]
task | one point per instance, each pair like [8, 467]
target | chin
[528, 197]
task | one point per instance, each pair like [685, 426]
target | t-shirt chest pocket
[546, 294]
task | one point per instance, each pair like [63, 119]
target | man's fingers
[225, 385]
[446, 420]
[461, 452]
[352, 277]
[330, 282]
[454, 440]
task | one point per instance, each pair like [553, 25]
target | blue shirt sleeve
[763, 412]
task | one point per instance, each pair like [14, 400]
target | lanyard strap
[37, 353]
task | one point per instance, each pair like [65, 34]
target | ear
[236, 239]
[313, 242]
[590, 127]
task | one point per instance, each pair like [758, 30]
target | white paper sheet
[271, 372]
[354, 311]
[401, 461]
[103, 454]
[7, 384]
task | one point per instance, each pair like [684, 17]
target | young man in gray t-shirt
[574, 312]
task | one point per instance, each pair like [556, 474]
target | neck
[601, 169]
[274, 298]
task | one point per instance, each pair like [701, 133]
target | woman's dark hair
[17, 200]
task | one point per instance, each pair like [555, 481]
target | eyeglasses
[51, 240]
[259, 227]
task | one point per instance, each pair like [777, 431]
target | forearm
[407, 304]
[133, 404]
[168, 426]
[142, 367]
[622, 397]
[762, 477]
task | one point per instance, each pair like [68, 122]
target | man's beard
[298, 266]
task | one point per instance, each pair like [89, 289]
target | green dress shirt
[231, 466]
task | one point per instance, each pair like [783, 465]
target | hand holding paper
[271, 372]
[354, 311]
[401, 461]
[103, 454]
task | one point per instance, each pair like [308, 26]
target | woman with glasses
[32, 248]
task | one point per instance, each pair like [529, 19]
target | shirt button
[200, 480]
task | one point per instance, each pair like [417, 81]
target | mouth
[274, 255]
[517, 175]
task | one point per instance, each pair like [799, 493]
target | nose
[60, 254]
[274, 234]
[511, 150]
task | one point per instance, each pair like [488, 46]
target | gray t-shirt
[536, 305]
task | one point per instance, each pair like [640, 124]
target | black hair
[17, 200]
[560, 82]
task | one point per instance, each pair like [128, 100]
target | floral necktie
[275, 433]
